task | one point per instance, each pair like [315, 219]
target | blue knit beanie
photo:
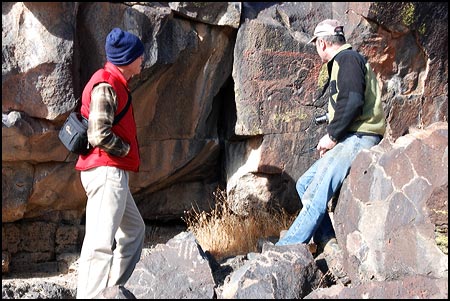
[122, 47]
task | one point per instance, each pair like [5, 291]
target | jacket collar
[111, 68]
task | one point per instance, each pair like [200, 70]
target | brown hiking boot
[312, 248]
[334, 256]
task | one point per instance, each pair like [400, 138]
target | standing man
[356, 122]
[114, 227]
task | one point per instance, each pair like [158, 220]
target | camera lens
[321, 119]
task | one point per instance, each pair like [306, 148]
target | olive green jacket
[355, 96]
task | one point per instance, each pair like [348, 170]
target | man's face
[136, 66]
[320, 48]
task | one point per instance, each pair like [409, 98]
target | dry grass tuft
[223, 233]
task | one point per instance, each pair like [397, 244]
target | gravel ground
[46, 285]
[63, 285]
[39, 286]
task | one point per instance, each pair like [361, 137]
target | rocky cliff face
[226, 98]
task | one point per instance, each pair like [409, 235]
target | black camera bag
[73, 133]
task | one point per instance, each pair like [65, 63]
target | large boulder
[392, 214]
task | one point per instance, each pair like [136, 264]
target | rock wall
[226, 98]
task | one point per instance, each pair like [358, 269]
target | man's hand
[325, 144]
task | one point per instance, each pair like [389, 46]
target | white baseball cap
[327, 27]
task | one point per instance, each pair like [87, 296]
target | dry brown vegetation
[223, 233]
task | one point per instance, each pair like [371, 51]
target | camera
[321, 119]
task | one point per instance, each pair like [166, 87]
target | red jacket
[125, 129]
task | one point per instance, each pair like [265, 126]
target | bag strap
[117, 118]
[122, 113]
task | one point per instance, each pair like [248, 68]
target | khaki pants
[111, 214]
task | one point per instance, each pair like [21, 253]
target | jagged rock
[216, 13]
[412, 287]
[284, 272]
[178, 269]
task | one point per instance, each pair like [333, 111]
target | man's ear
[322, 44]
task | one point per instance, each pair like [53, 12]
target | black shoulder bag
[73, 133]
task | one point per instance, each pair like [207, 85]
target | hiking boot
[263, 241]
[321, 245]
[334, 256]
[312, 247]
